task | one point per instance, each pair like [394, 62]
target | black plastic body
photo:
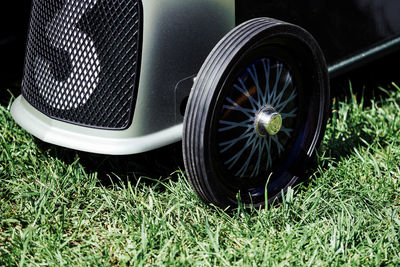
[14, 20]
[343, 28]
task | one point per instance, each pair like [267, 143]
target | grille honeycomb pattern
[82, 61]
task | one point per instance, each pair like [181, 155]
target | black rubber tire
[214, 77]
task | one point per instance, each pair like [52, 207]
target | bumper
[87, 139]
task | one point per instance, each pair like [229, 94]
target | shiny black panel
[342, 28]
[14, 20]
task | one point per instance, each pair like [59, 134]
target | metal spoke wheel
[256, 113]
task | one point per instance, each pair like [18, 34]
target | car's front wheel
[256, 113]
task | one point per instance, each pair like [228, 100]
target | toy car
[247, 92]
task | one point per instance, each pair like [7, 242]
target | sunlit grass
[57, 212]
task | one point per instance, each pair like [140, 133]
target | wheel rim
[243, 138]
[247, 156]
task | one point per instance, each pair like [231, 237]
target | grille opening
[83, 59]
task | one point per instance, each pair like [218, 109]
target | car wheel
[256, 113]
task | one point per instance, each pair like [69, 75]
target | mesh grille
[82, 61]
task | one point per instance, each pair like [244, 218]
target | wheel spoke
[253, 74]
[278, 144]
[247, 134]
[286, 131]
[236, 157]
[245, 92]
[260, 151]
[288, 81]
[275, 89]
[283, 104]
[232, 125]
[267, 72]
[267, 144]
[245, 166]
[236, 107]
[291, 114]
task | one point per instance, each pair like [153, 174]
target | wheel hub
[268, 121]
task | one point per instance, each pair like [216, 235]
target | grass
[57, 211]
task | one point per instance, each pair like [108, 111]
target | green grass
[59, 212]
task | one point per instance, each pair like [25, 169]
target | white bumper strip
[86, 139]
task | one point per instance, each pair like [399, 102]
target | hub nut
[268, 121]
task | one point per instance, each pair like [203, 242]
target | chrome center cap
[268, 121]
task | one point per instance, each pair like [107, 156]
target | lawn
[56, 209]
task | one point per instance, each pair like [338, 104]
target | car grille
[82, 61]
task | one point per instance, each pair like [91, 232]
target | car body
[177, 37]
